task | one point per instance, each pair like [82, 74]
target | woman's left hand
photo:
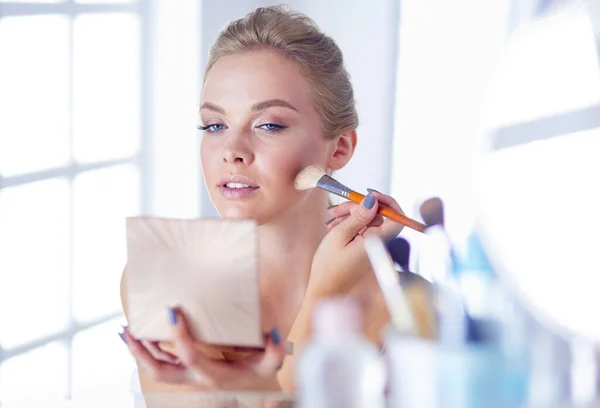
[341, 261]
[194, 368]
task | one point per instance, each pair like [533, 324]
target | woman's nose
[238, 151]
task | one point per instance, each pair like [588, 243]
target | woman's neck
[293, 238]
[287, 247]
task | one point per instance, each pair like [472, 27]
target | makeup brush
[409, 304]
[453, 321]
[316, 176]
[399, 250]
[417, 290]
[432, 212]
[400, 312]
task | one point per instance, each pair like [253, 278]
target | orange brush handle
[390, 213]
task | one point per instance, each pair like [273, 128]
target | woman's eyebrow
[212, 107]
[256, 107]
[273, 102]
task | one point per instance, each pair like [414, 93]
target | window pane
[102, 200]
[34, 245]
[106, 81]
[539, 208]
[34, 115]
[550, 67]
[101, 361]
[40, 374]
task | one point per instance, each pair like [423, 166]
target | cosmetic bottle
[484, 362]
[339, 368]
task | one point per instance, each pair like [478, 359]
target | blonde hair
[298, 38]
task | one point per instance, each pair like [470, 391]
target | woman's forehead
[242, 80]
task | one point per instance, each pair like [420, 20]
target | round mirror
[539, 178]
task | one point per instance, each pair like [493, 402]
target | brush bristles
[309, 177]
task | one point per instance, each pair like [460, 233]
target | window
[446, 53]
[74, 153]
[531, 101]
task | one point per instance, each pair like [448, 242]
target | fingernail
[275, 336]
[372, 190]
[330, 221]
[289, 347]
[369, 201]
[122, 336]
[172, 316]
[332, 206]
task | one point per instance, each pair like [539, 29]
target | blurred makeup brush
[432, 212]
[399, 250]
[438, 264]
[400, 312]
[417, 290]
[316, 176]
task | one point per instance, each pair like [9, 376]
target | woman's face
[260, 130]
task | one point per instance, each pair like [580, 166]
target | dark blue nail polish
[332, 206]
[369, 201]
[173, 316]
[122, 336]
[330, 221]
[276, 336]
[372, 190]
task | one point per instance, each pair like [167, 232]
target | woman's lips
[237, 191]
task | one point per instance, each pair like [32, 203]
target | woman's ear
[344, 147]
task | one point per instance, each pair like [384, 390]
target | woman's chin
[259, 215]
[238, 213]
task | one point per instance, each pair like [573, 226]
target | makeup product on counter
[418, 291]
[339, 367]
[399, 250]
[398, 307]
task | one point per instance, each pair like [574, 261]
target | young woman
[276, 99]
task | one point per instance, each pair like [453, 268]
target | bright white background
[98, 108]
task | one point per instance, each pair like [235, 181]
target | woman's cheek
[288, 163]
[209, 161]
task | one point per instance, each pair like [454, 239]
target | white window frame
[144, 9]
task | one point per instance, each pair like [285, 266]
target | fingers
[201, 369]
[183, 340]
[387, 200]
[158, 353]
[271, 359]
[159, 371]
[341, 209]
[388, 228]
[342, 212]
[360, 217]
[336, 221]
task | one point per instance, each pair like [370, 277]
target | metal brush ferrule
[333, 186]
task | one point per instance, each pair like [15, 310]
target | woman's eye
[272, 127]
[213, 128]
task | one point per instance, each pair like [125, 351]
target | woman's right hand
[341, 260]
